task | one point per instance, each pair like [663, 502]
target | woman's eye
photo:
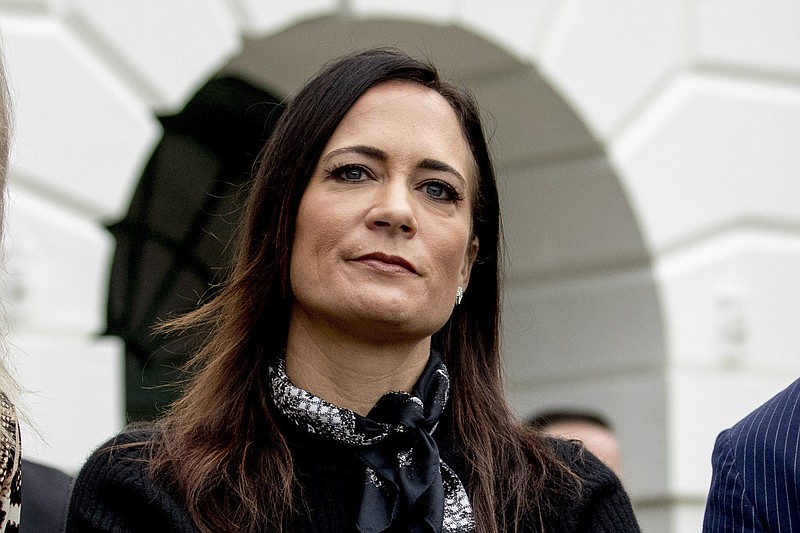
[439, 191]
[351, 173]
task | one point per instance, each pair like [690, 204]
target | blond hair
[8, 386]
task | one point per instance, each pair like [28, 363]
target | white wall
[673, 304]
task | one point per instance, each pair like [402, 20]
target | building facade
[649, 164]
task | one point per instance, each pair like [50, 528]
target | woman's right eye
[350, 173]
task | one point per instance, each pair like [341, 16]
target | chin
[399, 321]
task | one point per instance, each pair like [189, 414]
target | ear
[469, 260]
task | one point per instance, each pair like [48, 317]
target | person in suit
[46, 495]
[756, 481]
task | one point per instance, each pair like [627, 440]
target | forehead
[393, 94]
[406, 116]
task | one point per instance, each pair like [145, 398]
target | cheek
[302, 246]
[450, 255]
[317, 234]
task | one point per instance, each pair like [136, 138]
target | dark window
[174, 244]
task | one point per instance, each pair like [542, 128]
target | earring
[459, 294]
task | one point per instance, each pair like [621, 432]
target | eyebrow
[380, 155]
[441, 166]
[369, 151]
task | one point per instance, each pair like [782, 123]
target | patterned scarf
[407, 484]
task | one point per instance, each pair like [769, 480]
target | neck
[350, 372]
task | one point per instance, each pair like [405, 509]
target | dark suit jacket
[756, 483]
[45, 495]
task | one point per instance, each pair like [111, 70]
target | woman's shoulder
[132, 446]
[601, 502]
[115, 491]
[586, 466]
[122, 461]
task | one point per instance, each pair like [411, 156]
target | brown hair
[220, 450]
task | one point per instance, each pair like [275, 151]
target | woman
[10, 471]
[368, 262]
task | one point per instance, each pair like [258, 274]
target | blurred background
[649, 163]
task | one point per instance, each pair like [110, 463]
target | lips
[386, 262]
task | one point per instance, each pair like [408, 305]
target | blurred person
[350, 376]
[756, 482]
[10, 447]
[594, 431]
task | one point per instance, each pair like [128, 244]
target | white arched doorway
[583, 327]
[702, 185]
[582, 312]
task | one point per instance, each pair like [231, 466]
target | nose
[393, 209]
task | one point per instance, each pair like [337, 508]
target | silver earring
[459, 294]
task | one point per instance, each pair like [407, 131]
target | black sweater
[113, 492]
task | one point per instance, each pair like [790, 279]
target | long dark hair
[220, 450]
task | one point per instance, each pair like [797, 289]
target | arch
[569, 226]
[719, 222]
[582, 306]
[581, 299]
[583, 320]
[173, 245]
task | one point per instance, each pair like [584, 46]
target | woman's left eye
[439, 191]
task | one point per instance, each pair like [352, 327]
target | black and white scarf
[406, 481]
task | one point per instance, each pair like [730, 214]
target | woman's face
[384, 234]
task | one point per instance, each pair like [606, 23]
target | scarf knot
[407, 487]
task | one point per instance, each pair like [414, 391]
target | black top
[113, 492]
